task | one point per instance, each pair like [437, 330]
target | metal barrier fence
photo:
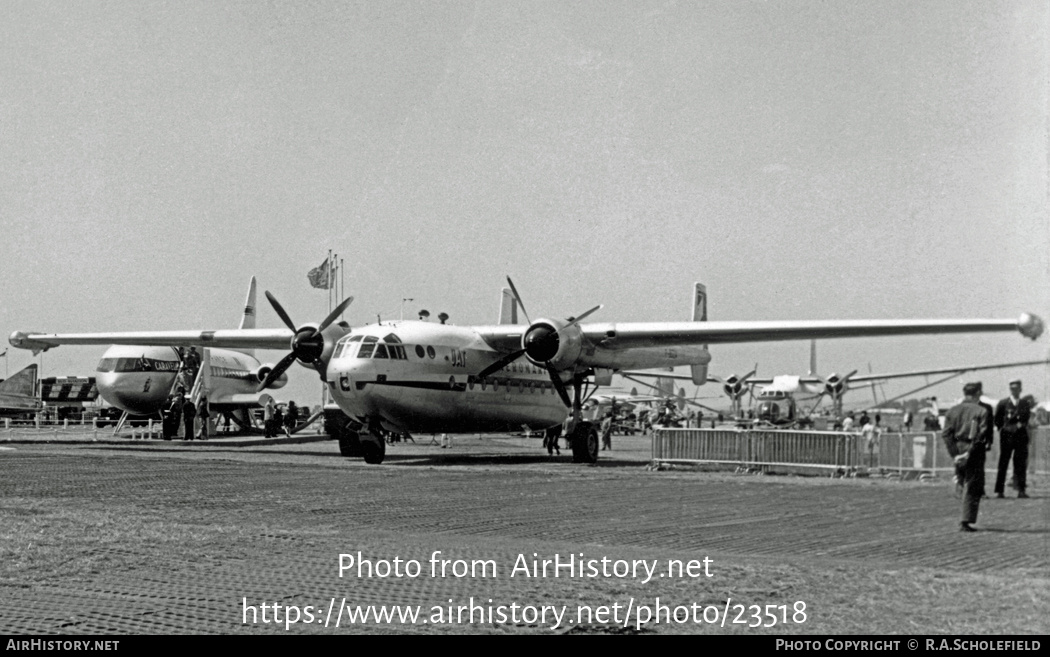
[699, 446]
[765, 450]
[919, 454]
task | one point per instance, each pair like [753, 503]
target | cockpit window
[390, 338]
[380, 351]
[371, 338]
[355, 338]
[141, 364]
[366, 349]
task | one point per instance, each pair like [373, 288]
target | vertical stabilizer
[508, 308]
[248, 319]
[699, 372]
[700, 303]
[812, 357]
[22, 384]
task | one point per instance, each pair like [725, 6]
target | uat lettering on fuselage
[404, 371]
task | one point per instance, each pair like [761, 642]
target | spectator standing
[1011, 417]
[291, 419]
[268, 413]
[203, 413]
[189, 414]
[964, 427]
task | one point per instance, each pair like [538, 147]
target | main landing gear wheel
[374, 450]
[350, 444]
[585, 443]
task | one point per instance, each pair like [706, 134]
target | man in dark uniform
[1011, 418]
[965, 428]
[189, 414]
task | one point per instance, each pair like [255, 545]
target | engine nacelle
[264, 371]
[543, 343]
[733, 387]
[835, 386]
[309, 346]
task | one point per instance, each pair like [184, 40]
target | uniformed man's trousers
[1015, 445]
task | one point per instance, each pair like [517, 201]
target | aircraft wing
[507, 338]
[945, 370]
[666, 334]
[224, 339]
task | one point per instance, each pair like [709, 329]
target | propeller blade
[501, 363]
[558, 385]
[517, 297]
[580, 318]
[280, 311]
[748, 375]
[276, 372]
[335, 313]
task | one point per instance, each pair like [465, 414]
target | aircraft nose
[133, 393]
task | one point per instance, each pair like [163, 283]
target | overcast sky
[806, 160]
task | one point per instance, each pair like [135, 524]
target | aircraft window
[470, 382]
[419, 350]
[521, 387]
[398, 352]
[355, 338]
[348, 350]
[371, 338]
[431, 352]
[366, 350]
[380, 351]
[484, 383]
[128, 365]
[495, 385]
[391, 339]
[106, 365]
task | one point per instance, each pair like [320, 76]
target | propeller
[835, 385]
[307, 343]
[541, 343]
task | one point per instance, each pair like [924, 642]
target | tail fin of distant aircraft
[812, 357]
[699, 372]
[508, 308]
[248, 319]
[700, 303]
[22, 384]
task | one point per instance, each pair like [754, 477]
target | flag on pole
[320, 276]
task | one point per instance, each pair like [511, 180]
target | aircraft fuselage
[420, 377]
[138, 378]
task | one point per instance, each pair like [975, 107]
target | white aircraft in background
[417, 376]
[139, 378]
[835, 386]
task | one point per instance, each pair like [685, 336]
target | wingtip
[1031, 326]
